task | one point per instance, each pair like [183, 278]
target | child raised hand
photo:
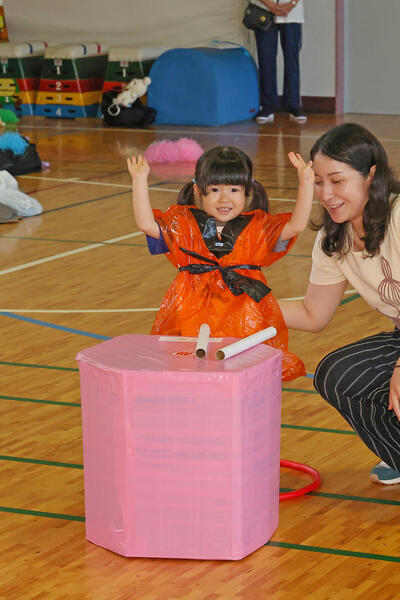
[301, 214]
[138, 167]
[139, 170]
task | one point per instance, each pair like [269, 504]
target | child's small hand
[138, 167]
[305, 171]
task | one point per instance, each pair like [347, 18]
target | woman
[359, 243]
[288, 19]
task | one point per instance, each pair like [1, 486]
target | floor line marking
[52, 367]
[151, 187]
[111, 310]
[205, 131]
[39, 513]
[47, 463]
[54, 326]
[37, 401]
[73, 180]
[76, 311]
[69, 253]
[83, 202]
[32, 238]
[333, 551]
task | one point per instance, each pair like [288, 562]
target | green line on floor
[38, 513]
[13, 364]
[40, 401]
[323, 429]
[346, 300]
[297, 390]
[384, 557]
[50, 463]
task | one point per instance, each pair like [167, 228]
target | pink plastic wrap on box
[181, 454]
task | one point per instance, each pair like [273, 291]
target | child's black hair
[225, 165]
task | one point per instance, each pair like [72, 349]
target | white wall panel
[171, 23]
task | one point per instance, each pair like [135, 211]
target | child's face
[224, 202]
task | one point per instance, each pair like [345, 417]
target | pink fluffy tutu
[183, 150]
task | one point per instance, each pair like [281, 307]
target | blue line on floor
[53, 326]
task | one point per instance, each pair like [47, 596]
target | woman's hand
[286, 8]
[394, 392]
[305, 171]
[138, 168]
[279, 10]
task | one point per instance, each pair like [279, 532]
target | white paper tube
[202, 340]
[246, 343]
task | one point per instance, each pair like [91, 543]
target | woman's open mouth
[333, 207]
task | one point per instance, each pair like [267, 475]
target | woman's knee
[328, 376]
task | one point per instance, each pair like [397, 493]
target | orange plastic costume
[196, 298]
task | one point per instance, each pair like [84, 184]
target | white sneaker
[382, 473]
[261, 119]
[298, 116]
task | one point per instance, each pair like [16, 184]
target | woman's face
[342, 190]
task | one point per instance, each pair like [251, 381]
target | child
[219, 235]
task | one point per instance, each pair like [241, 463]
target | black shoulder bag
[257, 18]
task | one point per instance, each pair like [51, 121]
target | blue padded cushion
[204, 86]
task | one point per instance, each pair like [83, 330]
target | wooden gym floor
[81, 272]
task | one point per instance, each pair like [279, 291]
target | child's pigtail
[186, 195]
[259, 197]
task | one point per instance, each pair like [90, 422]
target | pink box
[181, 454]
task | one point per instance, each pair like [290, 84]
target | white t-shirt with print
[376, 279]
[296, 15]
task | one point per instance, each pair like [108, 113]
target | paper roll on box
[246, 343]
[202, 340]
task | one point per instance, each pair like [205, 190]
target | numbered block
[84, 99]
[20, 68]
[9, 99]
[126, 63]
[86, 67]
[66, 111]
[181, 455]
[115, 86]
[24, 97]
[21, 110]
[8, 87]
[70, 85]
[32, 83]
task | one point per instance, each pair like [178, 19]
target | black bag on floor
[20, 164]
[137, 115]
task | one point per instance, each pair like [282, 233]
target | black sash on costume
[237, 284]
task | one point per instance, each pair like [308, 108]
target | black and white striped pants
[355, 380]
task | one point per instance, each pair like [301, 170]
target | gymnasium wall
[171, 23]
[371, 48]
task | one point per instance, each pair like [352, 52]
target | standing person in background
[287, 22]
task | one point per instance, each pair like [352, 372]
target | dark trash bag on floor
[20, 164]
[137, 115]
